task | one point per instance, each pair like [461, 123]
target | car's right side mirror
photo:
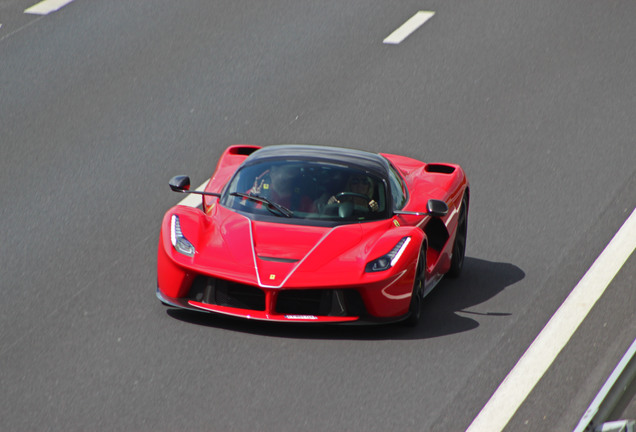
[437, 208]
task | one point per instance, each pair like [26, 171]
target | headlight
[180, 243]
[387, 261]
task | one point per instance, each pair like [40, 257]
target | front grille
[320, 302]
[225, 293]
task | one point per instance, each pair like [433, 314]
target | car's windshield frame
[319, 194]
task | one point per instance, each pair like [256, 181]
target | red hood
[232, 246]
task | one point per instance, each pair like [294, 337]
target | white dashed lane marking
[47, 6]
[408, 27]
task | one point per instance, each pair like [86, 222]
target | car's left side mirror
[180, 183]
[437, 208]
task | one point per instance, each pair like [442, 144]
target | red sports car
[299, 233]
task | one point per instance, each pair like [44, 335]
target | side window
[397, 189]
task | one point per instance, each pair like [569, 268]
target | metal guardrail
[617, 426]
[596, 416]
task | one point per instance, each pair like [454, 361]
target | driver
[283, 188]
[362, 186]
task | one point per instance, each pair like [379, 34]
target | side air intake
[242, 150]
[439, 168]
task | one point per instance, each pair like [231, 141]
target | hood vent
[280, 260]
[439, 168]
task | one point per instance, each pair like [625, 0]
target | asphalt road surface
[103, 101]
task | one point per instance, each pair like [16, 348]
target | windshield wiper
[282, 210]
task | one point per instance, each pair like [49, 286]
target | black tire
[459, 247]
[415, 308]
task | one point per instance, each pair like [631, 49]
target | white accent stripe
[47, 6]
[537, 359]
[194, 200]
[408, 27]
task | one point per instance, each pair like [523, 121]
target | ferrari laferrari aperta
[313, 234]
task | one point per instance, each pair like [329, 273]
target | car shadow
[444, 312]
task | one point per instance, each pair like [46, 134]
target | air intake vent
[440, 168]
[276, 259]
[321, 302]
[225, 293]
[243, 150]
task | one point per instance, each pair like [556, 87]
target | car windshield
[313, 190]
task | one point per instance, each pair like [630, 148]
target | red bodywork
[266, 259]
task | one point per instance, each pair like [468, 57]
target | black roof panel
[370, 161]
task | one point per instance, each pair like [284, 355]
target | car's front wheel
[415, 308]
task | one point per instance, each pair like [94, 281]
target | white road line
[408, 27]
[194, 200]
[46, 7]
[511, 393]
